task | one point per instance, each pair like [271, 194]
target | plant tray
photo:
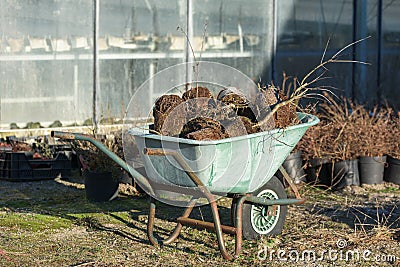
[17, 166]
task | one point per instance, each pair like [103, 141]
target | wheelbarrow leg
[151, 219]
[150, 223]
[218, 231]
[290, 182]
[211, 200]
[239, 225]
[186, 214]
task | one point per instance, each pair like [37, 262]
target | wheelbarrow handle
[143, 181]
[157, 152]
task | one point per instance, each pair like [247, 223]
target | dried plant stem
[197, 64]
[305, 87]
[341, 132]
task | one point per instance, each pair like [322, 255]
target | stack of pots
[364, 170]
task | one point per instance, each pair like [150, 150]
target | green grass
[32, 221]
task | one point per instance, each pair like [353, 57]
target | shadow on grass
[364, 217]
[160, 232]
[66, 199]
[168, 213]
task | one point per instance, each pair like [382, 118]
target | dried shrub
[393, 137]
[372, 129]
[340, 132]
[347, 131]
[96, 160]
[314, 142]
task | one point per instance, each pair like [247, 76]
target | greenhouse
[199, 133]
[75, 61]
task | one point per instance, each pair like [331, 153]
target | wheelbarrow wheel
[260, 220]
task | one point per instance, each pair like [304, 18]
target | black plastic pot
[318, 172]
[344, 173]
[100, 186]
[371, 169]
[392, 172]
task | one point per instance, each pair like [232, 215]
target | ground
[50, 223]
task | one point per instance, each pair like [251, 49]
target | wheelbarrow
[242, 168]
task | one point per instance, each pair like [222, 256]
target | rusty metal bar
[179, 225]
[210, 197]
[150, 223]
[290, 181]
[156, 152]
[206, 225]
[174, 235]
[239, 225]
[218, 228]
[271, 202]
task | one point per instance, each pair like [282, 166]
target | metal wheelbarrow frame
[201, 191]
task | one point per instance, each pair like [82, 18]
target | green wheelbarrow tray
[206, 166]
[235, 165]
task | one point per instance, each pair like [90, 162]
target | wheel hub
[265, 218]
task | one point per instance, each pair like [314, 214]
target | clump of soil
[199, 116]
[233, 96]
[199, 123]
[238, 101]
[249, 125]
[264, 102]
[206, 134]
[163, 107]
[197, 92]
[286, 115]
[166, 103]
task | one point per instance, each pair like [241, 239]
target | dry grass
[393, 141]
[49, 223]
[349, 130]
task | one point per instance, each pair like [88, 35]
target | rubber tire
[275, 185]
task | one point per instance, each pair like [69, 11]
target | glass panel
[237, 33]
[44, 61]
[46, 49]
[304, 28]
[390, 67]
[139, 38]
